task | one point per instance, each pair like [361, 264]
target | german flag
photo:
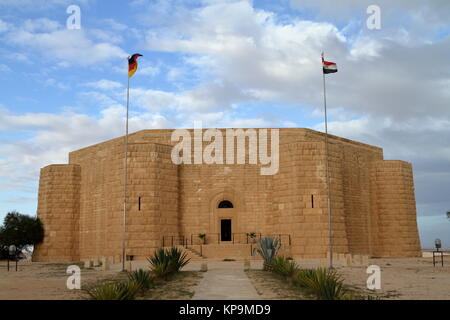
[133, 64]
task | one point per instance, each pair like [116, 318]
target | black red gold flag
[133, 64]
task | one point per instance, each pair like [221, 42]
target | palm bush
[166, 262]
[115, 291]
[325, 284]
[283, 267]
[268, 249]
[142, 278]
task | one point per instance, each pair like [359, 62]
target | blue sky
[229, 64]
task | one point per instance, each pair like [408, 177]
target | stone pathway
[226, 281]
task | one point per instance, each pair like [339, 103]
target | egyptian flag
[133, 64]
[328, 67]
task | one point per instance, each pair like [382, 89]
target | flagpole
[330, 235]
[125, 181]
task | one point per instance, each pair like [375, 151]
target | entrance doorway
[225, 230]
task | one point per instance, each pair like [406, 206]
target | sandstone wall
[153, 194]
[101, 199]
[394, 210]
[372, 200]
[59, 209]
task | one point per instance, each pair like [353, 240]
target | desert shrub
[178, 259]
[325, 284]
[268, 249]
[159, 263]
[166, 262]
[283, 266]
[115, 291]
[142, 278]
[302, 274]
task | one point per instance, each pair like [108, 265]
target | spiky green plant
[159, 263]
[268, 249]
[115, 291]
[178, 259]
[302, 274]
[141, 277]
[283, 267]
[166, 262]
[325, 284]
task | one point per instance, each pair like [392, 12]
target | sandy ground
[47, 281]
[407, 278]
[401, 279]
[43, 281]
[270, 286]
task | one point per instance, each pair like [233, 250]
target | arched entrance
[226, 207]
[226, 220]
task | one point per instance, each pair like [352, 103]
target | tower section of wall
[395, 231]
[300, 199]
[59, 209]
[153, 198]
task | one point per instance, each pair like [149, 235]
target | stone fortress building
[81, 203]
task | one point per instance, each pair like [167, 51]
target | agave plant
[159, 263]
[284, 267]
[141, 277]
[178, 259]
[115, 291]
[268, 249]
[325, 284]
[165, 262]
[301, 275]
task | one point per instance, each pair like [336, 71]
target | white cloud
[435, 12]
[149, 70]
[49, 39]
[204, 98]
[37, 5]
[391, 89]
[101, 98]
[116, 26]
[4, 26]
[106, 36]
[41, 25]
[104, 84]
[421, 141]
[53, 136]
[55, 83]
[4, 68]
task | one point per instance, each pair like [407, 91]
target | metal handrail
[236, 239]
[280, 237]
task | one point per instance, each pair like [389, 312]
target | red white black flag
[328, 67]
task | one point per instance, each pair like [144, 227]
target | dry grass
[179, 287]
[273, 287]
